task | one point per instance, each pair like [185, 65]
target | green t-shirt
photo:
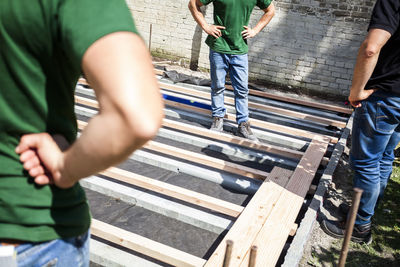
[41, 47]
[233, 15]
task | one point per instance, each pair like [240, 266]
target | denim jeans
[376, 133]
[237, 66]
[59, 252]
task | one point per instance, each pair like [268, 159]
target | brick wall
[309, 44]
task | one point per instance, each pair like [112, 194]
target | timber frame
[261, 229]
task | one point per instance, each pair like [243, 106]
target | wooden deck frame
[266, 221]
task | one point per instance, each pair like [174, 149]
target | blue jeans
[66, 252]
[238, 68]
[376, 133]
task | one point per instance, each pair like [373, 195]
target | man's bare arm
[366, 61]
[118, 66]
[269, 13]
[214, 30]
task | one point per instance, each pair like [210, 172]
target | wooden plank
[259, 123]
[249, 223]
[177, 192]
[215, 135]
[297, 101]
[144, 245]
[230, 100]
[273, 235]
[286, 152]
[255, 122]
[207, 160]
[198, 158]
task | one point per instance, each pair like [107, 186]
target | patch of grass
[385, 247]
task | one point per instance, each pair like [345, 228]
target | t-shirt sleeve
[263, 4]
[385, 16]
[206, 2]
[82, 22]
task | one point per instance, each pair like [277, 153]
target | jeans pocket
[385, 121]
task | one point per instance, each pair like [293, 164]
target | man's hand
[43, 159]
[248, 32]
[214, 30]
[356, 96]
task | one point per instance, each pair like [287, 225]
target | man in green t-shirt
[227, 39]
[44, 47]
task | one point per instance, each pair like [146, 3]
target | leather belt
[10, 242]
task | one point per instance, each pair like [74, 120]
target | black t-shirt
[386, 75]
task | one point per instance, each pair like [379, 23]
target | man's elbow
[144, 126]
[370, 49]
[271, 10]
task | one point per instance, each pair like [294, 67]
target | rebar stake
[350, 225]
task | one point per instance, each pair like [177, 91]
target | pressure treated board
[144, 245]
[274, 233]
[177, 192]
[249, 223]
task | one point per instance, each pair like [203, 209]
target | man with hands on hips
[227, 39]
[44, 214]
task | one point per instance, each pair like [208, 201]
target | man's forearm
[197, 14]
[363, 69]
[269, 13]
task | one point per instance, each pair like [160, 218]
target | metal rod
[228, 253]
[151, 32]
[350, 225]
[253, 256]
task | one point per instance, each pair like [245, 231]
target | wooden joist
[177, 192]
[259, 123]
[290, 153]
[209, 161]
[199, 158]
[144, 245]
[249, 223]
[289, 99]
[230, 100]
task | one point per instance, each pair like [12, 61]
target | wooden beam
[199, 158]
[255, 122]
[288, 99]
[297, 101]
[209, 161]
[259, 123]
[273, 235]
[249, 223]
[286, 152]
[290, 153]
[177, 192]
[144, 245]
[230, 100]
